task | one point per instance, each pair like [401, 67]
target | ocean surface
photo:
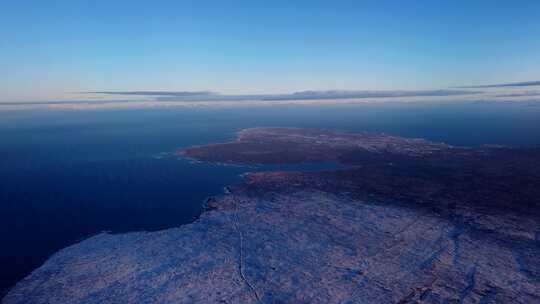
[67, 175]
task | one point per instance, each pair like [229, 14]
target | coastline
[377, 232]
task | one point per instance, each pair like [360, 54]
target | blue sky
[50, 48]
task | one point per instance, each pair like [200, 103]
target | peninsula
[405, 221]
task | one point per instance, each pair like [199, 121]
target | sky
[52, 50]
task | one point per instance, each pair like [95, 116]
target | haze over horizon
[49, 50]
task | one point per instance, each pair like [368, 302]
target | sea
[66, 175]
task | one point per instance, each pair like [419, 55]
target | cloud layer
[504, 85]
[154, 93]
[509, 92]
[303, 95]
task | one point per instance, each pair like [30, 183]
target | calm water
[66, 175]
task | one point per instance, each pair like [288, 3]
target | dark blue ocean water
[66, 175]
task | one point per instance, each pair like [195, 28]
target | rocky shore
[408, 221]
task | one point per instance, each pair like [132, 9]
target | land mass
[406, 221]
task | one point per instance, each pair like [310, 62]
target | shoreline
[412, 231]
